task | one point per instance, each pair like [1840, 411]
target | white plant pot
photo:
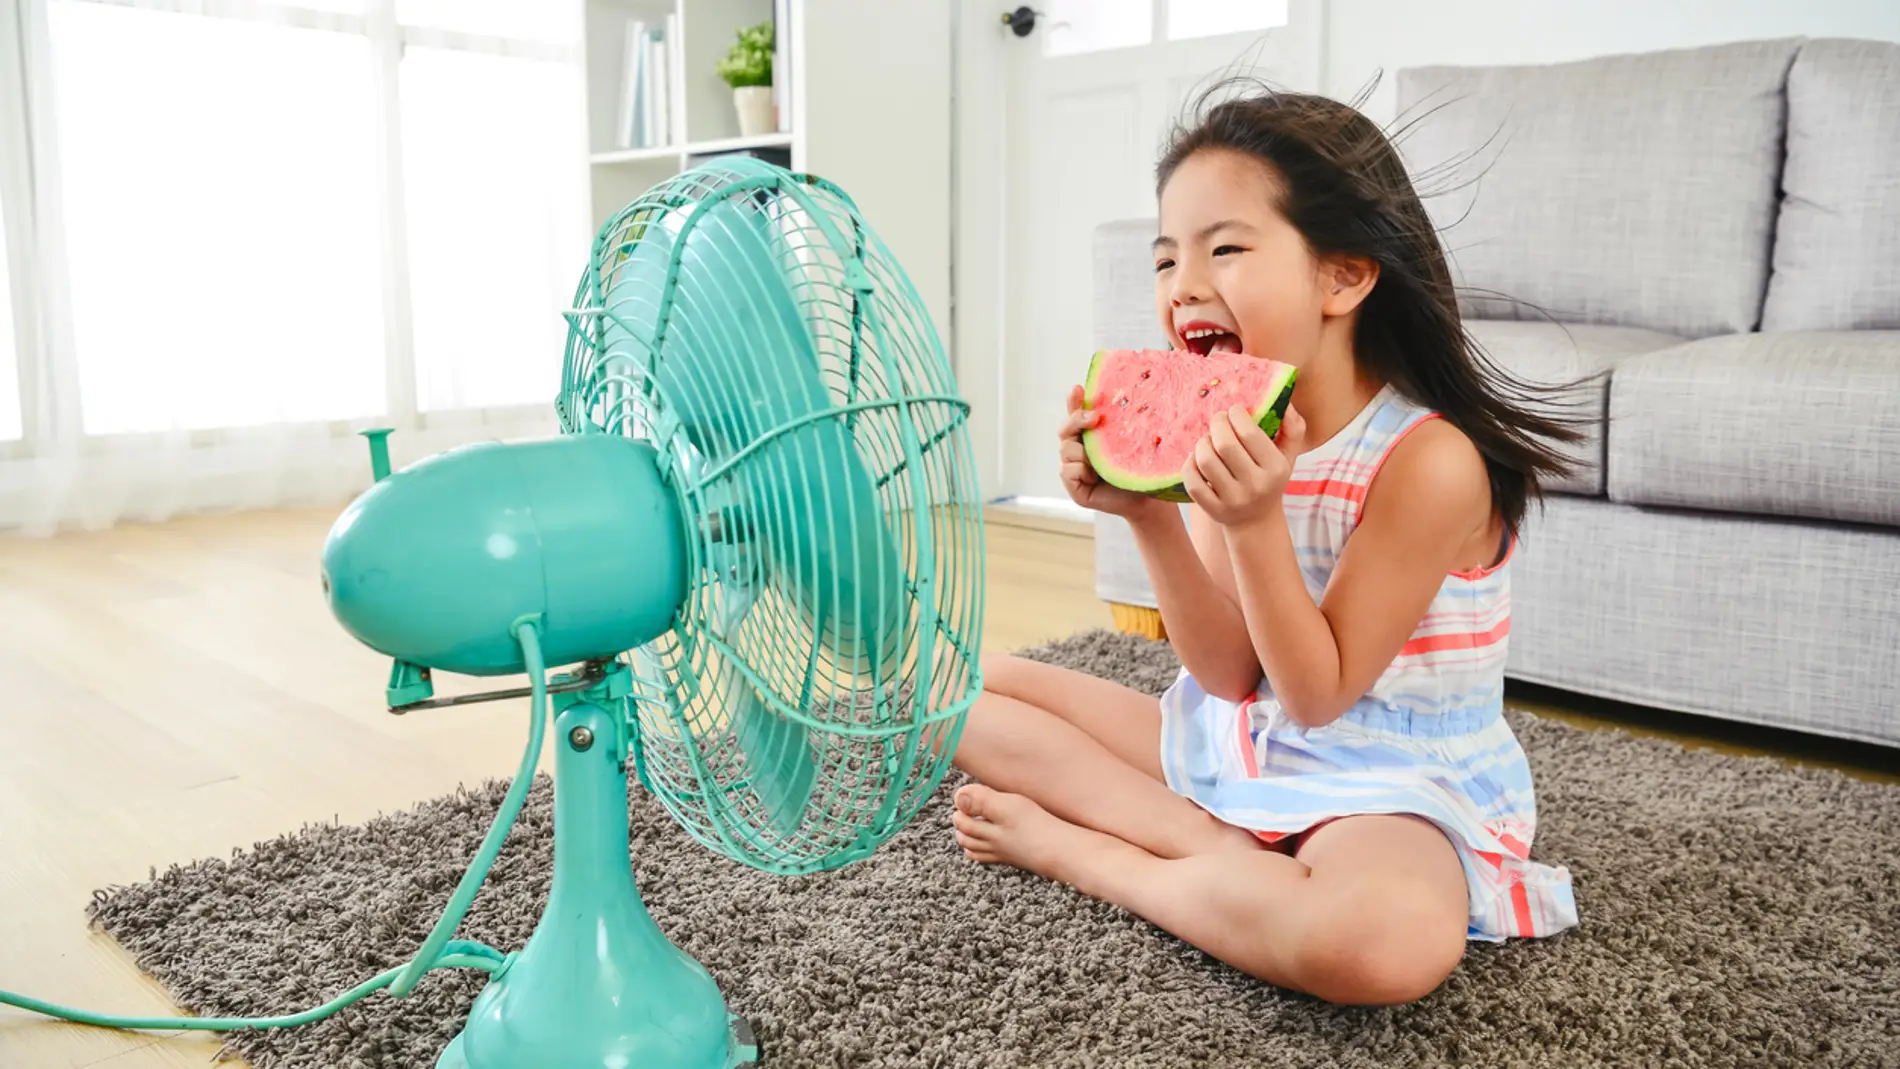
[754, 103]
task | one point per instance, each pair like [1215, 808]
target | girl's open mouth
[1207, 338]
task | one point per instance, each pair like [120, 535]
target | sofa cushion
[1837, 247]
[1786, 424]
[1124, 286]
[1634, 190]
[1555, 354]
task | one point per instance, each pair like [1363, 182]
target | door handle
[1022, 21]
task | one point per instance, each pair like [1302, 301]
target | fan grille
[747, 322]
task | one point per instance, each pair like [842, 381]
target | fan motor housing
[434, 564]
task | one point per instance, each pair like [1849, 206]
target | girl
[1328, 797]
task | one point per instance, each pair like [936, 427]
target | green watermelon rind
[1170, 487]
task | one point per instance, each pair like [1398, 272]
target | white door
[1059, 130]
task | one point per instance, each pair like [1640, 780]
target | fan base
[598, 986]
[745, 1051]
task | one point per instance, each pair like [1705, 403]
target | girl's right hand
[1079, 477]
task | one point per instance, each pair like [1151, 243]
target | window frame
[35, 249]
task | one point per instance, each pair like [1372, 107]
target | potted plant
[747, 68]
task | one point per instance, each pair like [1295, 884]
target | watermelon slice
[1156, 405]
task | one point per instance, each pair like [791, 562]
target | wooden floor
[171, 692]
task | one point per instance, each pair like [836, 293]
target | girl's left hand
[1237, 474]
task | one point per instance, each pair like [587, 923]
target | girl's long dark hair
[1346, 190]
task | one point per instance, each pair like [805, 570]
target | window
[1209, 18]
[228, 198]
[528, 20]
[1077, 26]
[9, 357]
[224, 246]
[497, 223]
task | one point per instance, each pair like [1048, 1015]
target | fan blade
[779, 757]
[738, 368]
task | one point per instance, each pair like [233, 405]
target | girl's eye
[1163, 265]
[1227, 249]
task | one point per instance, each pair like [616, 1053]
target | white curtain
[253, 229]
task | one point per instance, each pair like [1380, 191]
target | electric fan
[756, 551]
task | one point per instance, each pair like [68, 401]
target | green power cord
[438, 951]
[475, 956]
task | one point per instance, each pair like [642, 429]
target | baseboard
[1011, 513]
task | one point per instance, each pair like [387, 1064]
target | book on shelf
[649, 113]
[782, 62]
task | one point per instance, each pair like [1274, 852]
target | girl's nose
[1186, 291]
[1190, 283]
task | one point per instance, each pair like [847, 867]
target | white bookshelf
[698, 99]
[692, 149]
[869, 85]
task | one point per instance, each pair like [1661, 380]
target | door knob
[1021, 21]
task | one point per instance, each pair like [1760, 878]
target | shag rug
[1735, 911]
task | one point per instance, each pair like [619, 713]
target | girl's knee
[1379, 949]
[1002, 671]
[986, 736]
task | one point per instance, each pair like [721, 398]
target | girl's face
[1231, 274]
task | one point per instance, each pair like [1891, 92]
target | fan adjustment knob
[378, 451]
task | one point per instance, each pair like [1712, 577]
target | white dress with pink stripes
[1428, 739]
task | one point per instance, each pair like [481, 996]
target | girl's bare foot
[1010, 829]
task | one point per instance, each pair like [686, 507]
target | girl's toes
[977, 849]
[971, 797]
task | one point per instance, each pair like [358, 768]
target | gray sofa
[1719, 230]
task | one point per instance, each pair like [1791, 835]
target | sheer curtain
[257, 228]
[9, 349]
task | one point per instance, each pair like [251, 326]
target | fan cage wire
[877, 750]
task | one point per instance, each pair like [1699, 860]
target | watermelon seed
[1157, 439]
[1145, 374]
[1123, 401]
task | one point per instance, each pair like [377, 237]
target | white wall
[1364, 37]
[875, 108]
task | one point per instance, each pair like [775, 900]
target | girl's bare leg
[1087, 751]
[1372, 911]
[1126, 722]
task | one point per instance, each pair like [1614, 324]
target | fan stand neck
[599, 985]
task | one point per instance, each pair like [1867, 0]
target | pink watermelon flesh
[1156, 405]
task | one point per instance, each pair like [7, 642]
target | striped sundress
[1429, 739]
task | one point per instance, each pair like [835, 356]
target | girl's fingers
[1226, 442]
[1292, 436]
[1212, 468]
[1249, 436]
[1079, 420]
[1195, 485]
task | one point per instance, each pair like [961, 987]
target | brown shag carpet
[1734, 912]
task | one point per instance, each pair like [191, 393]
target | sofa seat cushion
[1124, 286]
[1837, 248]
[1633, 190]
[1788, 424]
[1553, 354]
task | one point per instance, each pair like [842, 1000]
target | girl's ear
[1344, 283]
